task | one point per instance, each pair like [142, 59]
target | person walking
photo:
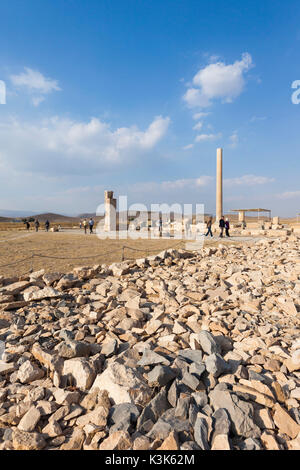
[208, 225]
[91, 224]
[227, 227]
[47, 225]
[222, 226]
[37, 224]
[84, 225]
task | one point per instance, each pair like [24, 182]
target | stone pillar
[110, 212]
[275, 221]
[241, 216]
[219, 189]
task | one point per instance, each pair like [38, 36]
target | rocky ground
[181, 351]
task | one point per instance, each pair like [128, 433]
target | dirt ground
[64, 251]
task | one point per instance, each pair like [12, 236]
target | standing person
[47, 225]
[37, 224]
[27, 225]
[227, 227]
[80, 224]
[160, 226]
[208, 225]
[222, 226]
[85, 225]
[91, 224]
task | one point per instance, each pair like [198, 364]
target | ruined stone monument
[110, 211]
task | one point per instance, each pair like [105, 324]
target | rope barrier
[96, 255]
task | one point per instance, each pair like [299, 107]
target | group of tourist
[223, 225]
[86, 223]
[37, 225]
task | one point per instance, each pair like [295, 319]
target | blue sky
[136, 96]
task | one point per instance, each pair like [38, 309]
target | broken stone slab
[79, 372]
[155, 408]
[207, 342]
[191, 355]
[7, 367]
[216, 365]
[123, 384]
[152, 358]
[65, 397]
[46, 293]
[22, 440]
[72, 349]
[221, 442]
[29, 372]
[76, 440]
[50, 278]
[240, 412]
[123, 417]
[30, 419]
[284, 422]
[47, 358]
[97, 417]
[119, 440]
[161, 375]
[170, 443]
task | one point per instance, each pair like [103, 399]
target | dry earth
[16, 246]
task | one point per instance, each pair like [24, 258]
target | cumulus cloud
[35, 83]
[62, 145]
[218, 81]
[207, 137]
[248, 180]
[165, 186]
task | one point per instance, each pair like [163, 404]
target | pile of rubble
[182, 350]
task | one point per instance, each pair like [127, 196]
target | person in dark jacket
[91, 225]
[37, 224]
[222, 226]
[208, 225]
[47, 225]
[227, 227]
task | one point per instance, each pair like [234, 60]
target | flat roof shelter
[242, 212]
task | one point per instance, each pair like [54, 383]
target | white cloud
[198, 126]
[197, 116]
[258, 118]
[218, 81]
[35, 83]
[234, 139]
[289, 195]
[188, 147]
[207, 137]
[248, 180]
[62, 145]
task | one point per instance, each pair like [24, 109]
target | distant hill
[54, 217]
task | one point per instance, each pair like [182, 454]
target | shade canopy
[251, 210]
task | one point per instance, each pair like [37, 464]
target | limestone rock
[123, 384]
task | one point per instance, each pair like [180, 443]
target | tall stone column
[219, 189]
[110, 212]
